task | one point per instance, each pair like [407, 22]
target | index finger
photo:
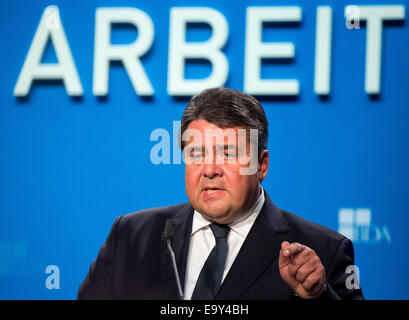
[293, 249]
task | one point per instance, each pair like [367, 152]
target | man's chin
[221, 217]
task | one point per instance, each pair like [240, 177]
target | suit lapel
[182, 224]
[259, 251]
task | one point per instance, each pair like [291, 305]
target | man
[230, 241]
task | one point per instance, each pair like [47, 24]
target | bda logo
[356, 225]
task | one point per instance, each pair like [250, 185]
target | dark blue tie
[210, 277]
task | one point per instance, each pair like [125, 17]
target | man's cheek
[192, 184]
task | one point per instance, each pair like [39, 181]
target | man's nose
[212, 169]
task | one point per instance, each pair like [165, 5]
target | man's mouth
[211, 190]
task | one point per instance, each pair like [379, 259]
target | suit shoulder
[151, 215]
[154, 213]
[310, 229]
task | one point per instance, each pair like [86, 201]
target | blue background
[69, 167]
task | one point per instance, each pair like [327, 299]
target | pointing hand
[302, 270]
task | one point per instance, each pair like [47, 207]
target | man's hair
[227, 108]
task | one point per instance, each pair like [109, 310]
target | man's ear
[263, 162]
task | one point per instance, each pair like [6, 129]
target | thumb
[284, 258]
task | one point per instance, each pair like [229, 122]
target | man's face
[215, 185]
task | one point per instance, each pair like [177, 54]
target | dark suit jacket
[134, 262]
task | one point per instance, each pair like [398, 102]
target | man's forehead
[204, 125]
[201, 132]
[215, 137]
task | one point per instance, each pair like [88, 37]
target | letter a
[53, 280]
[50, 26]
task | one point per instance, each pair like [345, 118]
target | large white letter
[180, 50]
[374, 16]
[50, 26]
[323, 34]
[256, 50]
[129, 54]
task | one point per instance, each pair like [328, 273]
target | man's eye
[229, 155]
[196, 154]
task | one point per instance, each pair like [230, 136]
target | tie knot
[220, 230]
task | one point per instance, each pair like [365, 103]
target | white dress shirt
[202, 242]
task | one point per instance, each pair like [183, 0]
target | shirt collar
[242, 225]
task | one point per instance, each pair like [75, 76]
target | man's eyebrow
[218, 146]
[226, 146]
